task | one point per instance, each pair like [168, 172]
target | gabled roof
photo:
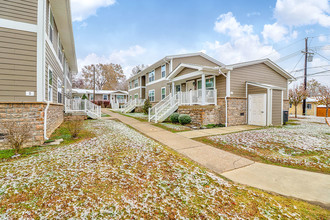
[268, 62]
[62, 13]
[182, 66]
[168, 58]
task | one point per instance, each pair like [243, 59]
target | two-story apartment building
[37, 59]
[211, 92]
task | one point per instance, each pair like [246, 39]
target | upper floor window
[50, 85]
[51, 25]
[59, 91]
[60, 52]
[152, 76]
[130, 85]
[136, 83]
[163, 69]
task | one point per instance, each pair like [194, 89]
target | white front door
[257, 109]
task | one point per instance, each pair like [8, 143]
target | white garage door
[257, 109]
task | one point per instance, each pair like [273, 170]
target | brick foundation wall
[33, 113]
[237, 111]
[202, 115]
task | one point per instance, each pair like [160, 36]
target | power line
[297, 63]
[312, 74]
[288, 56]
[322, 56]
[276, 50]
[314, 67]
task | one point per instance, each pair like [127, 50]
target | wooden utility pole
[94, 83]
[305, 74]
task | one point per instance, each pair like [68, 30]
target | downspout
[45, 121]
[226, 103]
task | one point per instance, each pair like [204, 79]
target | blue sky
[132, 32]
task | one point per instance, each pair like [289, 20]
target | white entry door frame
[257, 109]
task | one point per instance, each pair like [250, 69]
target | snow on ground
[138, 115]
[301, 143]
[122, 174]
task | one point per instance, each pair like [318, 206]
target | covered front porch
[194, 85]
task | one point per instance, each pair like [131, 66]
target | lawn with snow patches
[303, 145]
[122, 174]
[137, 115]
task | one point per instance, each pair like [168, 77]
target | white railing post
[85, 105]
[149, 115]
[190, 97]
[203, 89]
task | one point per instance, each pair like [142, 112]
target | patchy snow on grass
[122, 174]
[306, 143]
[138, 115]
[176, 127]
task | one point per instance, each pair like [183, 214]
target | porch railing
[194, 97]
[83, 105]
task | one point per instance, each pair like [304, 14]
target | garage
[265, 104]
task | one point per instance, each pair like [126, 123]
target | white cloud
[82, 9]
[122, 57]
[244, 45]
[274, 32]
[322, 38]
[303, 12]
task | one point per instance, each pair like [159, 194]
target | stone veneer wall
[33, 113]
[286, 105]
[210, 114]
[237, 111]
[202, 115]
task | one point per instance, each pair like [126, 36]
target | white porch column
[228, 84]
[173, 88]
[203, 89]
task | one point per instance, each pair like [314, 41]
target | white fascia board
[156, 81]
[136, 88]
[21, 26]
[188, 76]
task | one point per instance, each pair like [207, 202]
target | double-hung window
[136, 96]
[309, 106]
[59, 91]
[152, 76]
[152, 95]
[208, 82]
[163, 92]
[136, 83]
[50, 84]
[105, 97]
[178, 88]
[60, 53]
[130, 85]
[51, 25]
[163, 69]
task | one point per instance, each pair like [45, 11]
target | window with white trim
[51, 25]
[163, 92]
[309, 106]
[130, 84]
[178, 88]
[59, 91]
[91, 96]
[152, 95]
[60, 51]
[209, 83]
[163, 69]
[105, 97]
[136, 96]
[136, 83]
[50, 84]
[152, 76]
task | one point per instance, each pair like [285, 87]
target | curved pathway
[305, 185]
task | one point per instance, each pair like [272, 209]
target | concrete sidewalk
[216, 131]
[309, 186]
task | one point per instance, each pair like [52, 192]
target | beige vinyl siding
[133, 92]
[220, 86]
[277, 107]
[197, 60]
[19, 10]
[259, 73]
[186, 71]
[158, 89]
[18, 60]
[256, 90]
[57, 72]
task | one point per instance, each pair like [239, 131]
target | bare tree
[324, 98]
[17, 133]
[107, 76]
[313, 87]
[296, 96]
[77, 82]
[138, 69]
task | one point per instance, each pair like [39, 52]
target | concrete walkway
[216, 131]
[309, 186]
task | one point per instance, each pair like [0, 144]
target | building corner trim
[41, 51]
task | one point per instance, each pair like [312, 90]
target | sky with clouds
[130, 32]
